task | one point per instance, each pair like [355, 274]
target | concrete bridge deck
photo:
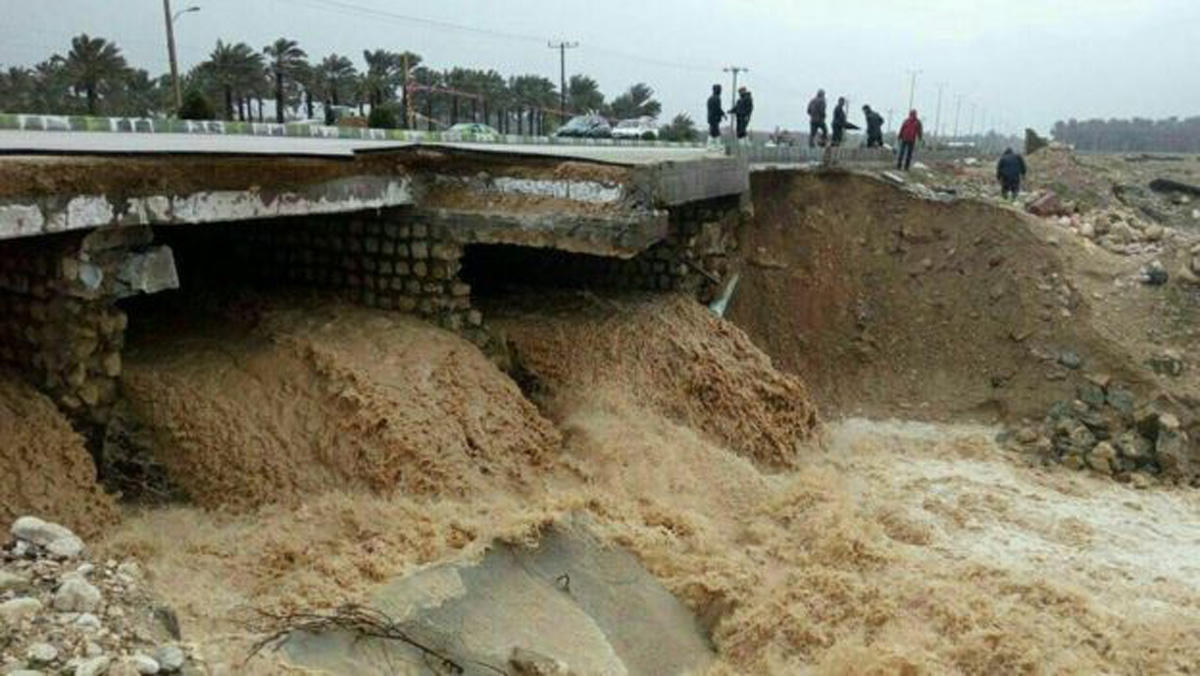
[601, 200]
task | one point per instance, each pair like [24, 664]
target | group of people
[1009, 170]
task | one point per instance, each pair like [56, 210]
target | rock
[1046, 204]
[1072, 461]
[94, 666]
[12, 582]
[76, 595]
[1172, 452]
[1091, 394]
[1167, 363]
[1026, 435]
[1086, 229]
[144, 664]
[1139, 481]
[1134, 446]
[44, 534]
[529, 663]
[1196, 214]
[41, 653]
[15, 610]
[87, 622]
[1102, 458]
[1070, 359]
[170, 658]
[92, 649]
[1154, 232]
[1154, 274]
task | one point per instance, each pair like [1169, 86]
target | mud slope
[312, 398]
[671, 356]
[44, 467]
[891, 305]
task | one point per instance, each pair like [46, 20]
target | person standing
[816, 119]
[840, 123]
[874, 127]
[1009, 171]
[716, 114]
[910, 133]
[741, 112]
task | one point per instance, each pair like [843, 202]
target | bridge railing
[146, 125]
[804, 155]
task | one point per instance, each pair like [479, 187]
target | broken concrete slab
[571, 599]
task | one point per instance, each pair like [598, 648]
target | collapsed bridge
[413, 228]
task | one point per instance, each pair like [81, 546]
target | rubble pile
[61, 613]
[1105, 429]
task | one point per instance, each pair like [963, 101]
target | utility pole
[408, 108]
[912, 87]
[957, 111]
[733, 92]
[937, 122]
[562, 48]
[170, 19]
[971, 126]
[889, 124]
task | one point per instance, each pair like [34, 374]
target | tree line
[1138, 134]
[396, 89]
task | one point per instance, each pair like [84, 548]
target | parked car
[476, 131]
[586, 126]
[642, 128]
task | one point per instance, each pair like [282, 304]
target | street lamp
[171, 18]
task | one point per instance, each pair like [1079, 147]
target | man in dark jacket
[840, 123]
[716, 113]
[1009, 171]
[741, 112]
[816, 119]
[910, 133]
[874, 127]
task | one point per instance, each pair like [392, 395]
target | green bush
[196, 106]
[383, 117]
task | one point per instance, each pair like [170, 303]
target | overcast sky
[1024, 62]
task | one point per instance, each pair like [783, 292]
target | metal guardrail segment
[145, 125]
[806, 155]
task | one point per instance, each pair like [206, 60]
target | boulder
[144, 664]
[1047, 204]
[41, 653]
[13, 582]
[1102, 458]
[76, 595]
[94, 666]
[1134, 446]
[59, 540]
[170, 658]
[15, 610]
[1173, 452]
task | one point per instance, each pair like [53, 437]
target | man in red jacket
[910, 133]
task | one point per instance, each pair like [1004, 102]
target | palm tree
[533, 92]
[235, 68]
[583, 94]
[637, 102]
[93, 64]
[287, 59]
[337, 71]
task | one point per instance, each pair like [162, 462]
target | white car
[475, 132]
[641, 128]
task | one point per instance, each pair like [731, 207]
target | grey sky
[1026, 62]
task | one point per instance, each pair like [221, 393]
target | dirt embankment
[304, 400]
[44, 467]
[892, 305]
[673, 356]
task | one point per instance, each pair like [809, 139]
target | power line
[337, 6]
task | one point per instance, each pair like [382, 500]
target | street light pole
[957, 111]
[170, 19]
[562, 48]
[937, 123]
[733, 92]
[912, 87]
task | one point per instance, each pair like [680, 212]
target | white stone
[87, 622]
[66, 548]
[15, 610]
[94, 666]
[41, 653]
[12, 581]
[17, 220]
[170, 658]
[92, 649]
[144, 664]
[130, 569]
[76, 594]
[89, 211]
[39, 532]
